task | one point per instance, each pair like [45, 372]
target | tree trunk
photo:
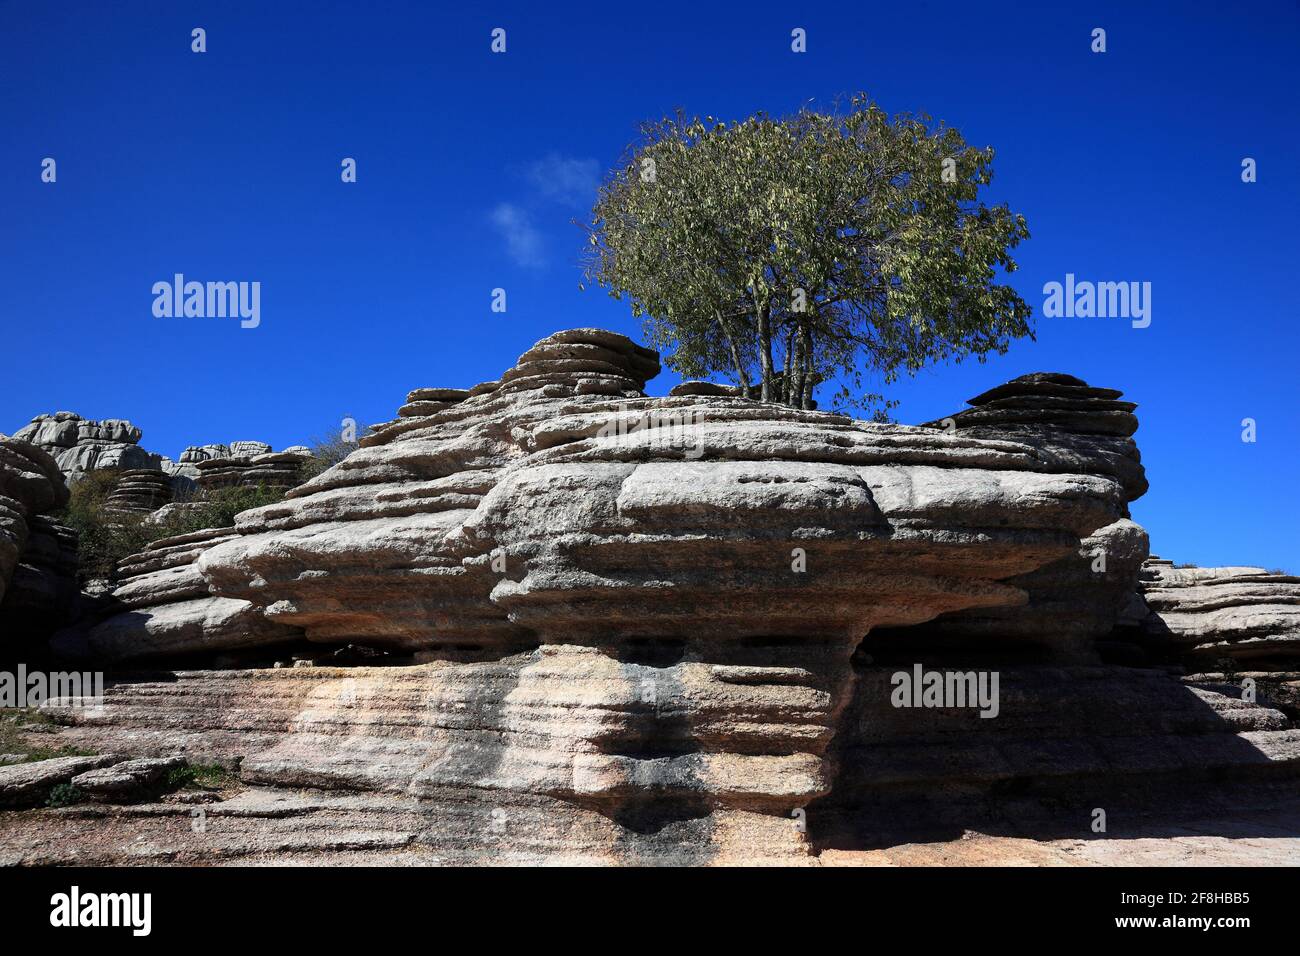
[741, 373]
[797, 371]
[806, 354]
[765, 349]
[787, 374]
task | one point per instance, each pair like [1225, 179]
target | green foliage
[217, 509]
[846, 244]
[200, 777]
[17, 723]
[63, 795]
[106, 537]
[103, 538]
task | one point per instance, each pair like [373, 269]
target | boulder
[29, 784]
[128, 781]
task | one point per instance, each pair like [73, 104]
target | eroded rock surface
[1248, 616]
[632, 629]
[37, 555]
[81, 445]
[161, 607]
[656, 598]
[140, 491]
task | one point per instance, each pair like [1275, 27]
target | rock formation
[37, 556]
[1073, 603]
[1246, 617]
[79, 445]
[262, 469]
[140, 491]
[161, 606]
[632, 629]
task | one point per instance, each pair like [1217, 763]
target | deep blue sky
[225, 166]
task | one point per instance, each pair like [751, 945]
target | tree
[845, 244]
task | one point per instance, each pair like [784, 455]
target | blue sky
[471, 167]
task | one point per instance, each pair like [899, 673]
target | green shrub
[63, 795]
[105, 538]
[202, 776]
[217, 509]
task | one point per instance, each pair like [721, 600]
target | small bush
[63, 795]
[105, 537]
[327, 451]
[203, 776]
[217, 509]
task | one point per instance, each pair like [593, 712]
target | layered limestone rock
[37, 555]
[80, 445]
[1071, 604]
[161, 607]
[1084, 429]
[450, 761]
[140, 491]
[1243, 615]
[248, 467]
[651, 630]
[661, 596]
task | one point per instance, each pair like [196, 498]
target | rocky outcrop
[37, 556]
[140, 491]
[633, 629]
[248, 467]
[80, 445]
[1079, 427]
[1071, 604]
[657, 599]
[161, 607]
[1245, 616]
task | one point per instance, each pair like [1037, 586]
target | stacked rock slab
[1073, 603]
[652, 602]
[37, 555]
[161, 607]
[1081, 427]
[80, 445]
[259, 469]
[140, 491]
[1243, 616]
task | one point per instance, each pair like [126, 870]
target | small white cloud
[565, 179]
[523, 241]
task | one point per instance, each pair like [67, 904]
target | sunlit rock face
[645, 630]
[1074, 602]
[160, 608]
[79, 445]
[562, 501]
[1243, 617]
[671, 587]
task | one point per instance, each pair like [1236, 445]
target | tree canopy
[846, 245]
